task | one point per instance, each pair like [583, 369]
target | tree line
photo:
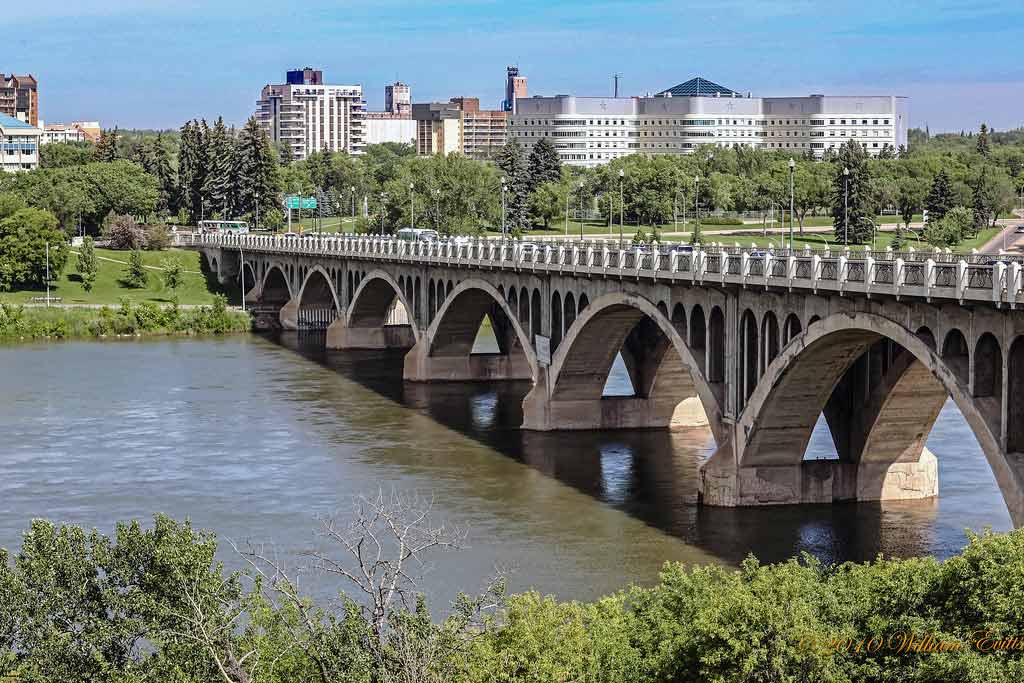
[157, 604]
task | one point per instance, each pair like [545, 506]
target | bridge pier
[340, 335]
[423, 366]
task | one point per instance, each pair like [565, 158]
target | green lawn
[107, 289]
[330, 224]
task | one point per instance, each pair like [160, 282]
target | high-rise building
[19, 144]
[459, 125]
[304, 115]
[589, 131]
[398, 99]
[19, 98]
[515, 88]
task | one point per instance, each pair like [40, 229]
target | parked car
[1020, 229]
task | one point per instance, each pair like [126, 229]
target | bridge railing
[911, 273]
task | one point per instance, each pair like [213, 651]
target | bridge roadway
[755, 344]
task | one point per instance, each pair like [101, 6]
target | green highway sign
[300, 202]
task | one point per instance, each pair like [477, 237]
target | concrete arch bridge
[755, 344]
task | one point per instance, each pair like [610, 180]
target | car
[1020, 229]
[290, 234]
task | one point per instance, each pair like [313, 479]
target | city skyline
[189, 60]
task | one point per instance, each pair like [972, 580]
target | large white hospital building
[589, 131]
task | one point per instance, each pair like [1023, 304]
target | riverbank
[129, 319]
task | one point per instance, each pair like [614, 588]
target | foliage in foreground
[19, 322]
[154, 604]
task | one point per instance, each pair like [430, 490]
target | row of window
[698, 122]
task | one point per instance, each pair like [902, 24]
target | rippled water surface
[255, 439]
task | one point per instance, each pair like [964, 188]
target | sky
[155, 64]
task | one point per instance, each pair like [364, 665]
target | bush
[29, 239]
[951, 229]
[122, 232]
[157, 237]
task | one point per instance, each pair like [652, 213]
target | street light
[352, 189]
[383, 196]
[257, 215]
[581, 210]
[792, 169]
[437, 208]
[696, 210]
[567, 197]
[846, 206]
[503, 206]
[622, 177]
[412, 206]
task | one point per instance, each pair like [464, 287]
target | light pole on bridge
[846, 206]
[383, 196]
[792, 169]
[503, 206]
[622, 195]
[412, 205]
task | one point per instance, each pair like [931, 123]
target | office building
[19, 98]
[459, 125]
[305, 115]
[19, 144]
[589, 131]
[398, 99]
[515, 88]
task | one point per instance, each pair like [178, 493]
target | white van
[417, 235]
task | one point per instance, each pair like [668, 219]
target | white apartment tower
[303, 115]
[590, 131]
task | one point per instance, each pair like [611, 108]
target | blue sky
[158, 63]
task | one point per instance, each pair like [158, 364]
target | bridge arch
[378, 316]
[276, 286]
[317, 289]
[664, 370]
[776, 424]
[444, 351]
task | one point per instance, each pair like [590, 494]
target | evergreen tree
[887, 152]
[898, 242]
[517, 196]
[106, 148]
[218, 187]
[88, 266]
[983, 149]
[940, 198]
[858, 206]
[982, 201]
[256, 172]
[544, 164]
[135, 275]
[155, 160]
[192, 170]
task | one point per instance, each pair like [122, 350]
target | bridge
[757, 344]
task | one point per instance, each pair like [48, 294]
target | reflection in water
[254, 439]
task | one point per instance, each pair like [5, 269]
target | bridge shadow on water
[650, 475]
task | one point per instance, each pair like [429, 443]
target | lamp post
[383, 196]
[622, 177]
[567, 197]
[846, 206]
[792, 169]
[437, 209]
[581, 210]
[696, 209]
[503, 206]
[47, 274]
[257, 213]
[412, 205]
[352, 189]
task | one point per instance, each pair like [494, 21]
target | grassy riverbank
[22, 323]
[110, 288]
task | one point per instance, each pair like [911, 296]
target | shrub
[157, 237]
[122, 232]
[721, 220]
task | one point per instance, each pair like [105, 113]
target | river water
[255, 439]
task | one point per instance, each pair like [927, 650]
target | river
[256, 438]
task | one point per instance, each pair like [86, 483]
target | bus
[235, 227]
[417, 235]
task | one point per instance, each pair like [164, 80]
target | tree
[910, 197]
[812, 188]
[982, 201]
[548, 202]
[544, 165]
[982, 146]
[219, 185]
[155, 159]
[951, 229]
[88, 266]
[256, 173]
[517, 195]
[64, 154]
[135, 275]
[852, 202]
[106, 148]
[172, 273]
[25, 237]
[940, 197]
